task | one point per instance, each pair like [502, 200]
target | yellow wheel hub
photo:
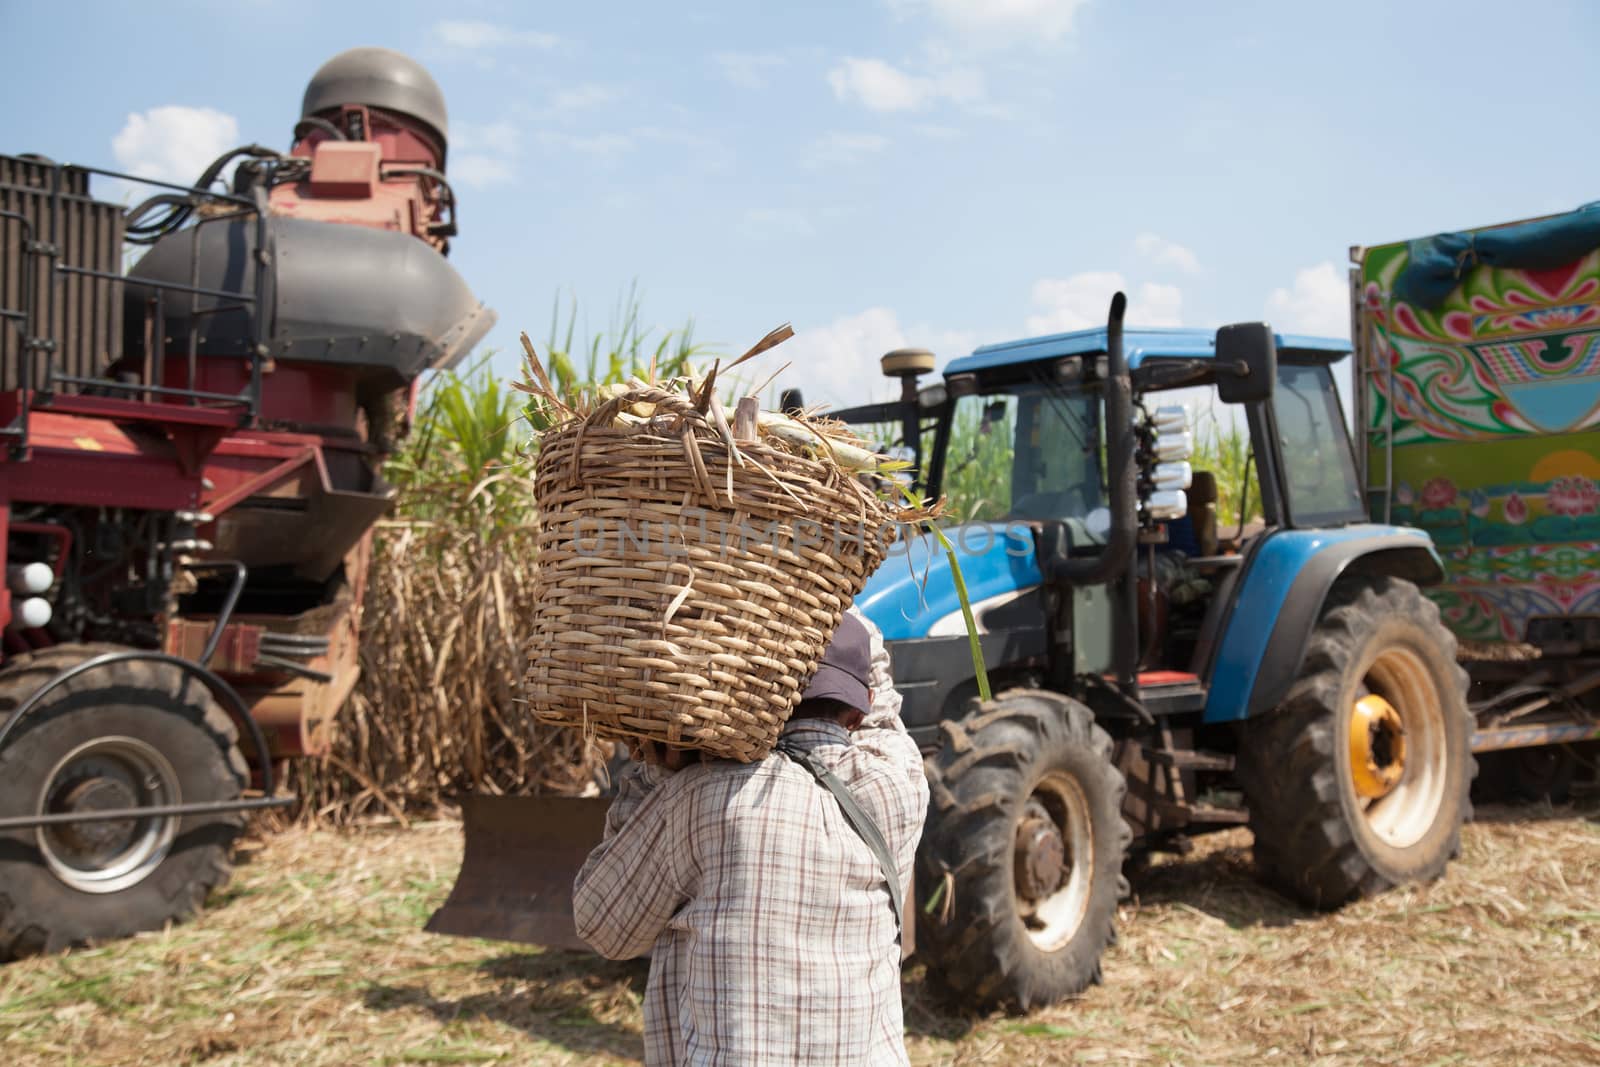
[1377, 747]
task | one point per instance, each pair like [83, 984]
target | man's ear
[852, 719]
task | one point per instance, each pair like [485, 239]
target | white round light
[32, 612]
[30, 577]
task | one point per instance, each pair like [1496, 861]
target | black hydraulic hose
[420, 171]
[306, 642]
[277, 663]
[229, 602]
[225, 694]
[311, 122]
[448, 194]
[172, 201]
[179, 207]
[1114, 558]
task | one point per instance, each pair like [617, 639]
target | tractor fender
[1278, 601]
[225, 694]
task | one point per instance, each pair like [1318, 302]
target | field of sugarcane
[450, 596]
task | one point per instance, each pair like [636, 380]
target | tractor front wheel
[1360, 780]
[1021, 863]
[128, 735]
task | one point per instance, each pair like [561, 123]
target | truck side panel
[1492, 401]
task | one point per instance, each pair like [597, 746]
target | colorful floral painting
[1575, 496]
[1485, 414]
[1510, 352]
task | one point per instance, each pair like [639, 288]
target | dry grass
[435, 714]
[315, 955]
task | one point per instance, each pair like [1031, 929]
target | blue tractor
[1156, 673]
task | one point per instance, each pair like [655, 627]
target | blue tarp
[1438, 264]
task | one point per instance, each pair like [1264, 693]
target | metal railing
[42, 331]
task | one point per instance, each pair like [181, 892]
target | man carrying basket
[768, 894]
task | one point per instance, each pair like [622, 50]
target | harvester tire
[130, 734]
[1360, 780]
[1020, 868]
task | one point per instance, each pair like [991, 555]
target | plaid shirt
[885, 698]
[767, 919]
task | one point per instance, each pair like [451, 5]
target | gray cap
[846, 665]
[377, 77]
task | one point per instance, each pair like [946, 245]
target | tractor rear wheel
[127, 735]
[1360, 780]
[1020, 868]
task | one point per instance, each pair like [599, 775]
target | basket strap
[859, 821]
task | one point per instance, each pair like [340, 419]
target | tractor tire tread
[23, 930]
[1303, 841]
[977, 781]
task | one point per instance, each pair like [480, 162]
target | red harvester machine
[190, 458]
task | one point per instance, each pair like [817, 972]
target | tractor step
[1207, 813]
[1189, 760]
[1176, 816]
[1171, 692]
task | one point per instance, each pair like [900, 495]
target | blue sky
[938, 172]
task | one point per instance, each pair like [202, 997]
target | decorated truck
[1479, 357]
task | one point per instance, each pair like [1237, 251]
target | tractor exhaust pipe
[1121, 448]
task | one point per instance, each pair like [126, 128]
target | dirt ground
[315, 955]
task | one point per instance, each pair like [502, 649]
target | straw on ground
[315, 955]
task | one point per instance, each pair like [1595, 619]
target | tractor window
[1031, 452]
[977, 478]
[1057, 473]
[1319, 465]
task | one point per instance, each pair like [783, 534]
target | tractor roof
[1140, 344]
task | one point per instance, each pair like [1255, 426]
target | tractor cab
[1030, 412]
[1019, 439]
[1176, 639]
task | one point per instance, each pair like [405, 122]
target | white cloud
[841, 149]
[567, 102]
[480, 170]
[1165, 253]
[486, 153]
[1081, 301]
[748, 70]
[880, 86]
[483, 153]
[499, 136]
[1046, 20]
[1317, 303]
[173, 143]
[475, 35]
[837, 364]
[1156, 305]
[593, 144]
[766, 224]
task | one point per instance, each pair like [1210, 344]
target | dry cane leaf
[771, 340]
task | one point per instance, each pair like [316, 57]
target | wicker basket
[667, 612]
